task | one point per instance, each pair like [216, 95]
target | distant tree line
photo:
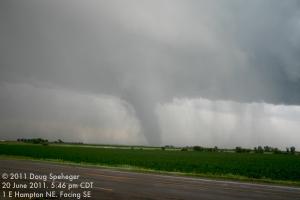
[261, 149]
[238, 149]
[33, 140]
[275, 150]
[242, 150]
[202, 149]
[291, 150]
[199, 148]
[38, 141]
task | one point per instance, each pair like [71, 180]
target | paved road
[110, 184]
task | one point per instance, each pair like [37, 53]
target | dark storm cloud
[148, 52]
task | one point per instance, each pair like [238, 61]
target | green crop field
[257, 166]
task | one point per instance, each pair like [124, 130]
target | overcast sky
[193, 72]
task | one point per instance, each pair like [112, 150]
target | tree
[276, 151]
[238, 149]
[292, 150]
[216, 149]
[184, 149]
[198, 148]
[259, 149]
[267, 148]
[241, 150]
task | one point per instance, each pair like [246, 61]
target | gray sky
[151, 72]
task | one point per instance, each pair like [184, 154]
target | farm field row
[253, 166]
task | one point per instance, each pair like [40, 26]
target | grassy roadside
[129, 168]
